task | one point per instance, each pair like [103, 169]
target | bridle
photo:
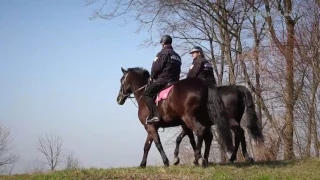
[128, 95]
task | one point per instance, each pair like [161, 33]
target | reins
[131, 97]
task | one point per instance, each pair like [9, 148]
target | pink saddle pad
[163, 94]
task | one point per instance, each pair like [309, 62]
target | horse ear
[123, 70]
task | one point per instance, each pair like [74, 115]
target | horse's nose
[119, 100]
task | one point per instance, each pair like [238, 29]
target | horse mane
[140, 71]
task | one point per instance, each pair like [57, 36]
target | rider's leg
[149, 94]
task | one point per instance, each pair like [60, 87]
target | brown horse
[185, 105]
[235, 99]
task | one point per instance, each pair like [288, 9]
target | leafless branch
[50, 146]
[6, 157]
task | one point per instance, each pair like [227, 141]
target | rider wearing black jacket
[201, 68]
[166, 68]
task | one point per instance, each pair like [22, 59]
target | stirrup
[152, 120]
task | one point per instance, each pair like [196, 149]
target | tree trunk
[289, 154]
[215, 66]
[313, 124]
[224, 33]
[287, 50]
[257, 69]
[309, 135]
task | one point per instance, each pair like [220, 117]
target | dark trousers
[149, 95]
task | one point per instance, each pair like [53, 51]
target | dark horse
[235, 100]
[186, 105]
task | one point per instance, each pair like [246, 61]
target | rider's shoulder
[203, 61]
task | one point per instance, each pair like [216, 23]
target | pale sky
[59, 74]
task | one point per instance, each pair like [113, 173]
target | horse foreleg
[146, 149]
[156, 138]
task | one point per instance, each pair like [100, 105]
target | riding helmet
[166, 39]
[196, 49]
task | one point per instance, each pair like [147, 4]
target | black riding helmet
[166, 39]
[196, 49]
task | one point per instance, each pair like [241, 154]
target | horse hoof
[202, 162]
[166, 163]
[249, 160]
[176, 161]
[142, 165]
[195, 162]
[230, 161]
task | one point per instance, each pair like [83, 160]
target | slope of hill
[302, 169]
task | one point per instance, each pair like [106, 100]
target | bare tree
[6, 157]
[271, 46]
[50, 146]
[287, 50]
[72, 162]
[308, 36]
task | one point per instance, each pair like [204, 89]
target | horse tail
[253, 125]
[218, 116]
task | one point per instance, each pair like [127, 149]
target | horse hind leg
[198, 157]
[236, 146]
[208, 136]
[176, 159]
[193, 124]
[239, 137]
[185, 131]
[244, 146]
[192, 140]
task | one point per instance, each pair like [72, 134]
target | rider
[166, 68]
[201, 68]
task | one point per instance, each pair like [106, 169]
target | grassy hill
[302, 169]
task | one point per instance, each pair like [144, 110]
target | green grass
[302, 169]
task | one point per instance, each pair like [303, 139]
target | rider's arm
[157, 65]
[194, 70]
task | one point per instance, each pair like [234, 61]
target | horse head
[132, 80]
[125, 87]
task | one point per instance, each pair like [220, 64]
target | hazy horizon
[59, 74]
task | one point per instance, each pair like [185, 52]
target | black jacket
[201, 68]
[167, 66]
